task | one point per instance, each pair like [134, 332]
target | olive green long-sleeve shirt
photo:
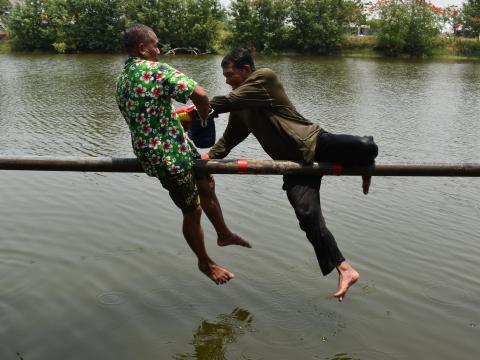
[261, 107]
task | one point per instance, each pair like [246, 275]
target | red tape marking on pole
[337, 169]
[242, 166]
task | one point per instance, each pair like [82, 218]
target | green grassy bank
[444, 47]
[366, 46]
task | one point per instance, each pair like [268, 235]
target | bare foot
[218, 274]
[347, 277]
[366, 181]
[233, 239]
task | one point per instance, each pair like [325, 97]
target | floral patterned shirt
[144, 92]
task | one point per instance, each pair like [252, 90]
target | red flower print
[173, 131]
[174, 169]
[164, 122]
[154, 143]
[147, 129]
[155, 160]
[130, 104]
[146, 76]
[140, 118]
[139, 91]
[159, 76]
[152, 110]
[140, 143]
[183, 148]
[181, 86]
[156, 92]
[167, 146]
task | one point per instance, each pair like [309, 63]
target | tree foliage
[259, 24]
[471, 18]
[97, 25]
[305, 25]
[321, 25]
[5, 6]
[30, 27]
[318, 26]
[408, 26]
[179, 23]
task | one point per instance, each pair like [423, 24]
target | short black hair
[135, 35]
[239, 57]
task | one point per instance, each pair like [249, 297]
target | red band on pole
[242, 166]
[337, 169]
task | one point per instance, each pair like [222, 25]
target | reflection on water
[342, 357]
[211, 339]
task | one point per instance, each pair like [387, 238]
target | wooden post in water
[263, 167]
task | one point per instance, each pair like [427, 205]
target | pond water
[94, 266]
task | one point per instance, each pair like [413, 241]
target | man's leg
[184, 193]
[348, 150]
[193, 232]
[303, 192]
[211, 206]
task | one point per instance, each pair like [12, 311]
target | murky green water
[93, 266]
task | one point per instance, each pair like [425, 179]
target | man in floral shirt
[144, 93]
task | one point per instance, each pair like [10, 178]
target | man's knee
[368, 147]
[206, 185]
[306, 209]
[307, 215]
[192, 215]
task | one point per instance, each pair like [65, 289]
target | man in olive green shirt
[258, 105]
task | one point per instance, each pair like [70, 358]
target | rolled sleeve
[251, 94]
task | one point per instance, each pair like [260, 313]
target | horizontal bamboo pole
[264, 167]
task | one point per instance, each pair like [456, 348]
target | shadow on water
[211, 339]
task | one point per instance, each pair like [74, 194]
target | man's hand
[212, 115]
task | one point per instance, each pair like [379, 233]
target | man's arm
[234, 134]
[199, 98]
[251, 94]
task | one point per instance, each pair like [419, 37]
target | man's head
[237, 67]
[140, 40]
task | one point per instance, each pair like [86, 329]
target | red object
[337, 169]
[187, 109]
[242, 166]
[205, 157]
[186, 115]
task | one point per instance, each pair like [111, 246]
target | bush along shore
[393, 28]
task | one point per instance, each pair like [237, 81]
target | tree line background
[315, 26]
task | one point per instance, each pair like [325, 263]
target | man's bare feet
[366, 181]
[218, 274]
[233, 239]
[347, 276]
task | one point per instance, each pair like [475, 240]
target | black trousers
[303, 192]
